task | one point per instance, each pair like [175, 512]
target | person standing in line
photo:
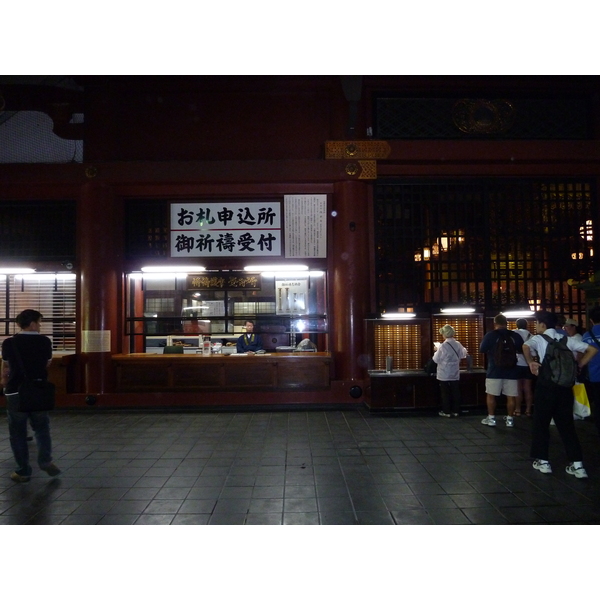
[525, 383]
[560, 325]
[572, 329]
[500, 379]
[448, 357]
[593, 385]
[553, 401]
[35, 351]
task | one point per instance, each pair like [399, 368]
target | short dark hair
[25, 318]
[594, 314]
[501, 320]
[547, 318]
[521, 323]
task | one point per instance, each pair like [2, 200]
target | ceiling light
[459, 310]
[173, 269]
[15, 270]
[276, 268]
[398, 315]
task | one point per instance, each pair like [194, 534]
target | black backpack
[505, 351]
[559, 365]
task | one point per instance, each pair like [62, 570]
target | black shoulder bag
[35, 395]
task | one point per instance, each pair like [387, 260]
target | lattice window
[490, 243]
[460, 118]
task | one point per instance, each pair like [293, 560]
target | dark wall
[211, 118]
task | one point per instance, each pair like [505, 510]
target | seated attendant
[249, 342]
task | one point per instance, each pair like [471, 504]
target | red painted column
[350, 279]
[99, 258]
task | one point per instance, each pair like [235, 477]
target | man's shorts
[508, 387]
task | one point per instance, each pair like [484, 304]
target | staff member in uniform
[249, 342]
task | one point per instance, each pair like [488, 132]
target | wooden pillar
[99, 258]
[350, 279]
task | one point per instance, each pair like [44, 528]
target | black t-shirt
[35, 351]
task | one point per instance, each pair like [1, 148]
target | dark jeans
[554, 402]
[450, 393]
[593, 391]
[17, 429]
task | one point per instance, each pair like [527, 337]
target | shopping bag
[581, 404]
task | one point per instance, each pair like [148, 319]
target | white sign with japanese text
[306, 226]
[225, 229]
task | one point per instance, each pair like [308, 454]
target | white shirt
[538, 344]
[525, 334]
[448, 357]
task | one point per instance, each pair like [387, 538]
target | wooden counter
[189, 373]
[410, 389]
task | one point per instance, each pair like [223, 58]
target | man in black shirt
[35, 352]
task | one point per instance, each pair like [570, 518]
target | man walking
[502, 375]
[592, 386]
[31, 351]
[554, 401]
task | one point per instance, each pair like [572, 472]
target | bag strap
[19, 358]
[453, 348]
[595, 339]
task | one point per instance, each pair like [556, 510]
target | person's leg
[491, 404]
[563, 418]
[593, 391]
[40, 423]
[540, 434]
[528, 395]
[445, 394]
[17, 430]
[455, 392]
[519, 398]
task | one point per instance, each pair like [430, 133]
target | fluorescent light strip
[519, 313]
[261, 268]
[45, 276]
[399, 315]
[173, 269]
[15, 270]
[458, 310]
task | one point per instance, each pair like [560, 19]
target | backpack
[559, 366]
[505, 351]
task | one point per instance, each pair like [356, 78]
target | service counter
[301, 371]
[409, 389]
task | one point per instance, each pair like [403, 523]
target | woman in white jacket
[448, 357]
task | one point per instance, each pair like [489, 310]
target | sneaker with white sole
[509, 421]
[489, 422]
[579, 472]
[543, 466]
[444, 414]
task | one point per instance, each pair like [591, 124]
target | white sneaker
[444, 414]
[509, 421]
[489, 421]
[579, 472]
[543, 466]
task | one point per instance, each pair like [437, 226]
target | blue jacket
[249, 343]
[594, 364]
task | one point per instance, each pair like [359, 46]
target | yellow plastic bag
[581, 405]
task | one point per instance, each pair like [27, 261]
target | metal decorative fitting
[91, 172]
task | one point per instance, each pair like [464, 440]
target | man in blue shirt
[500, 380]
[593, 385]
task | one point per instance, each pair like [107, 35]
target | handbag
[35, 395]
[430, 367]
[581, 403]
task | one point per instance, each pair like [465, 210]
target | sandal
[527, 413]
[517, 413]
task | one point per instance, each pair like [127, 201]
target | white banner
[225, 229]
[306, 226]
